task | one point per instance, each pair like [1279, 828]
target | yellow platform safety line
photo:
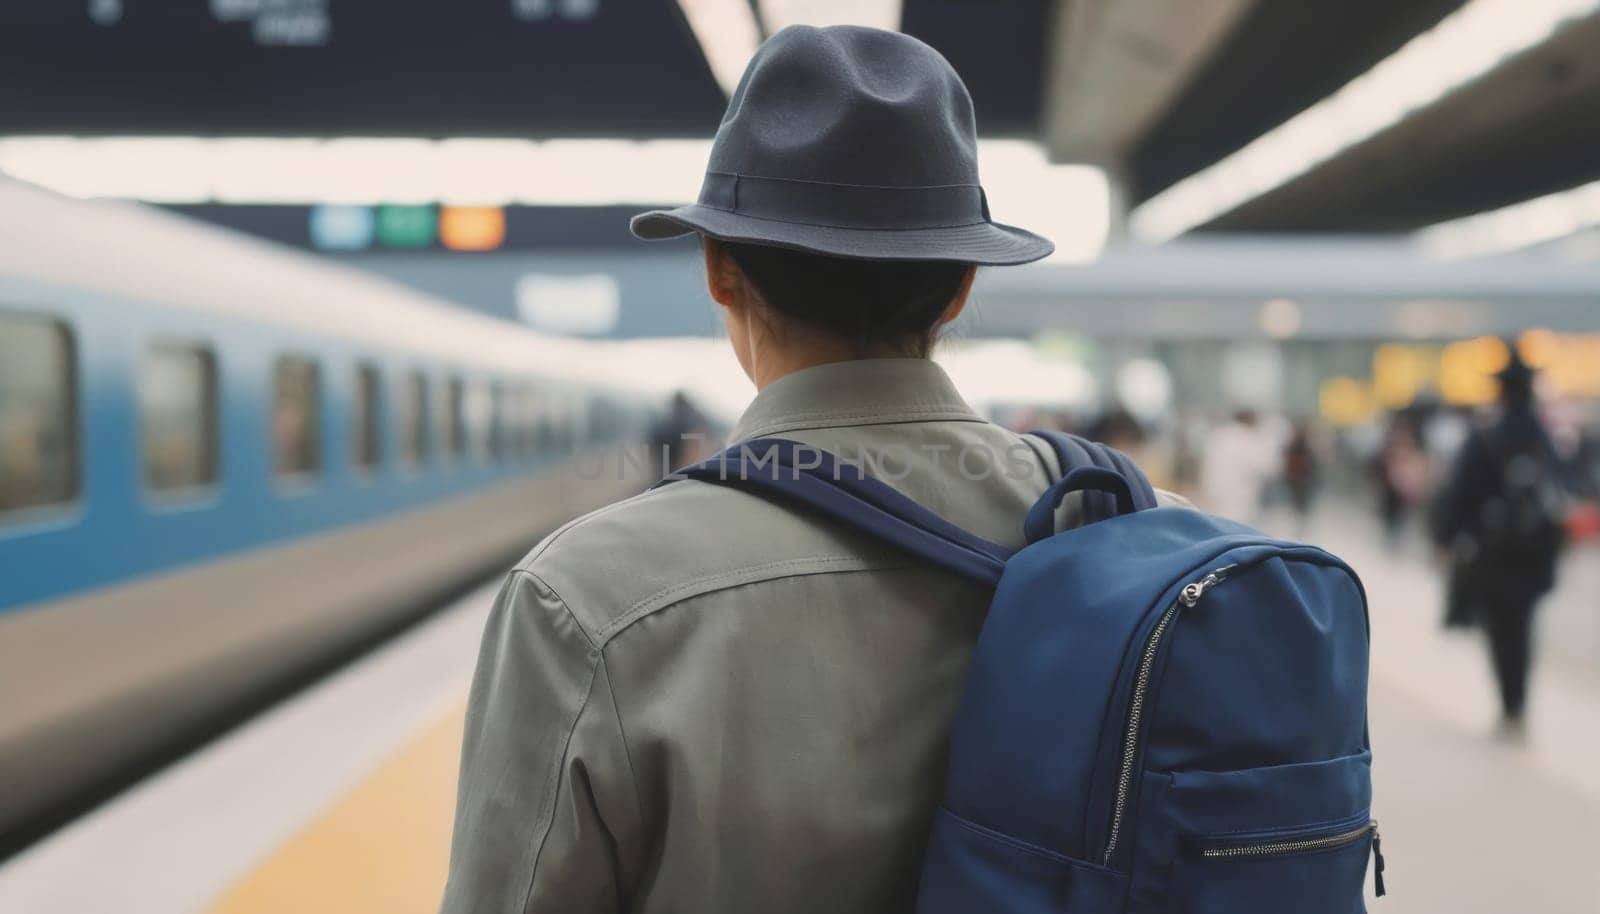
[383, 847]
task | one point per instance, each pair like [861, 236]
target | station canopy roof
[1226, 115]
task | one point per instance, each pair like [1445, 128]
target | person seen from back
[1501, 517]
[700, 701]
[1300, 473]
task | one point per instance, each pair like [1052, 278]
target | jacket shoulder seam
[533, 576]
[750, 574]
[573, 524]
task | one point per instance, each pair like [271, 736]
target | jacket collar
[858, 392]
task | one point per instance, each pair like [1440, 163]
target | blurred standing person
[1300, 474]
[1132, 438]
[1501, 516]
[1443, 433]
[681, 436]
[1238, 462]
[1402, 470]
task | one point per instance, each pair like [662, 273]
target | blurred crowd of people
[1492, 495]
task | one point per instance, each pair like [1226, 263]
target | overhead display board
[354, 67]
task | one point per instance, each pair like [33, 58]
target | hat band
[854, 206]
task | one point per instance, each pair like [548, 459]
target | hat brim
[982, 243]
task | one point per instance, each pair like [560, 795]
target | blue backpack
[1165, 712]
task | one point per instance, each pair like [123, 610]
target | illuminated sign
[472, 228]
[537, 10]
[409, 226]
[276, 23]
[582, 305]
[342, 228]
[1346, 401]
[1463, 373]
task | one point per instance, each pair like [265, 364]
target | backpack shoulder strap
[796, 473]
[1074, 453]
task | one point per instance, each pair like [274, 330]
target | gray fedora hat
[853, 142]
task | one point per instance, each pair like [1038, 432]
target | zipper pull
[1192, 592]
[1377, 860]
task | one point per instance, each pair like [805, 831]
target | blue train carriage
[223, 463]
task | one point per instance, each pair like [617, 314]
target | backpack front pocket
[1287, 838]
[1307, 871]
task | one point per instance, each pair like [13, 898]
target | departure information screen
[446, 67]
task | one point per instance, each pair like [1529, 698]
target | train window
[38, 421]
[499, 428]
[296, 417]
[478, 411]
[511, 419]
[525, 420]
[413, 418]
[531, 418]
[178, 416]
[454, 416]
[605, 418]
[579, 405]
[569, 423]
[544, 423]
[365, 444]
[556, 407]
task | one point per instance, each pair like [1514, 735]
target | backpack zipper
[1285, 848]
[1281, 848]
[1187, 598]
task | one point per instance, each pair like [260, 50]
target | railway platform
[340, 799]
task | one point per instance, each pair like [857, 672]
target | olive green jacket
[698, 701]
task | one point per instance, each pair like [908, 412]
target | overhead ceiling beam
[729, 31]
[1118, 64]
[1464, 50]
[1525, 129]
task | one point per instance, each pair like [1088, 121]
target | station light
[406, 226]
[729, 31]
[1401, 372]
[1538, 347]
[1069, 204]
[1514, 227]
[1345, 402]
[472, 228]
[728, 34]
[1463, 46]
[1144, 386]
[1467, 371]
[1280, 318]
[370, 170]
[1571, 364]
[587, 304]
[1463, 373]
[342, 227]
[879, 14]
[1018, 373]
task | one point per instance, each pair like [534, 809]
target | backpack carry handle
[1074, 452]
[1041, 521]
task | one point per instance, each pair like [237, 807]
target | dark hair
[869, 303]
